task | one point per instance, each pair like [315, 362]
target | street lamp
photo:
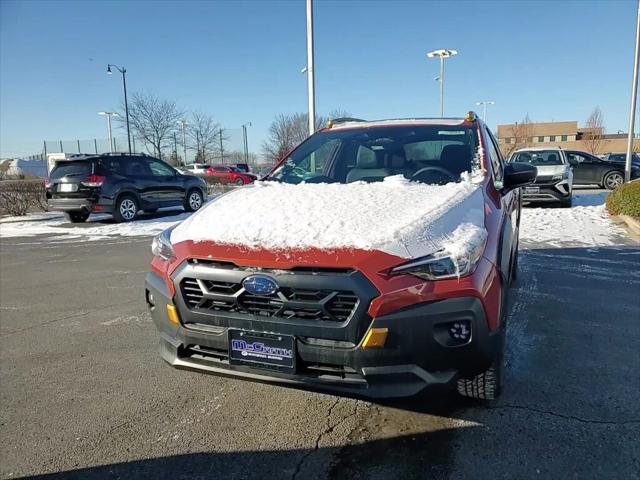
[634, 94]
[246, 143]
[484, 104]
[184, 139]
[109, 115]
[309, 70]
[442, 54]
[123, 71]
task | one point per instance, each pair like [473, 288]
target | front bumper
[560, 191]
[415, 356]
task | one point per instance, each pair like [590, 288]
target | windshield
[538, 158]
[71, 169]
[425, 153]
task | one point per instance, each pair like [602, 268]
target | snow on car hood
[399, 217]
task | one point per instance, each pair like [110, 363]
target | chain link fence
[229, 149]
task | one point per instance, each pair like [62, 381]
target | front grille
[287, 302]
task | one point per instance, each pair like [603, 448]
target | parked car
[591, 170]
[622, 158]
[227, 174]
[120, 184]
[196, 168]
[375, 260]
[554, 182]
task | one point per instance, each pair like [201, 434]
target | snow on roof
[398, 121]
[399, 217]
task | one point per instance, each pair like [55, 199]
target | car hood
[545, 170]
[398, 217]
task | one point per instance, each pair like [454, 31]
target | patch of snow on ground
[98, 227]
[396, 216]
[587, 223]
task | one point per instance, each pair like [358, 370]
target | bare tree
[592, 134]
[204, 133]
[287, 131]
[152, 121]
[520, 135]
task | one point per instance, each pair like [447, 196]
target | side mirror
[518, 175]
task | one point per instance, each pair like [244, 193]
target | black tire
[194, 200]
[77, 217]
[612, 180]
[486, 385]
[514, 267]
[239, 181]
[126, 209]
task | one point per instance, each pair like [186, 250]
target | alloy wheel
[614, 180]
[195, 201]
[128, 209]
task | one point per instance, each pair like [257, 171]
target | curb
[631, 223]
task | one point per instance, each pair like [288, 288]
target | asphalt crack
[559, 415]
[328, 429]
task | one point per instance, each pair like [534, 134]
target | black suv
[120, 184]
[590, 170]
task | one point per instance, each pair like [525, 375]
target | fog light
[460, 331]
[454, 333]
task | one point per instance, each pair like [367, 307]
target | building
[560, 134]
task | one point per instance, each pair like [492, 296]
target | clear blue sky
[240, 61]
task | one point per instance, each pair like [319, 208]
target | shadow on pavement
[359, 461]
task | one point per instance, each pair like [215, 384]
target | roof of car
[397, 121]
[539, 149]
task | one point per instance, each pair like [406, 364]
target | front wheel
[486, 385]
[193, 201]
[239, 181]
[126, 209]
[78, 217]
[613, 180]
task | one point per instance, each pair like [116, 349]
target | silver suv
[554, 181]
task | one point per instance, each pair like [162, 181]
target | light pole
[442, 54]
[634, 94]
[484, 104]
[184, 139]
[310, 70]
[246, 143]
[123, 71]
[109, 115]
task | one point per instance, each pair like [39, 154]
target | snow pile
[586, 224]
[396, 216]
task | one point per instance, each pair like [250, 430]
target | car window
[496, 162]
[71, 169]
[539, 158]
[110, 165]
[135, 168]
[424, 153]
[576, 158]
[160, 169]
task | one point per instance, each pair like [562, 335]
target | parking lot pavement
[85, 395]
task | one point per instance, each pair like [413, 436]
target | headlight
[563, 176]
[444, 264]
[161, 245]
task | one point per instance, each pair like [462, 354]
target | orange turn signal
[375, 338]
[172, 313]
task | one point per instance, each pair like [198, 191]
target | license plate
[262, 350]
[67, 187]
[532, 190]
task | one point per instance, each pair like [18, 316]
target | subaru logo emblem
[260, 285]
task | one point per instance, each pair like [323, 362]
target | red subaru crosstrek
[374, 260]
[226, 174]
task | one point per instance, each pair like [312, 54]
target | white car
[196, 168]
[554, 182]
